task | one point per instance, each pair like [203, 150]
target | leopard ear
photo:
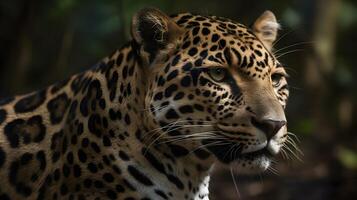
[266, 28]
[154, 31]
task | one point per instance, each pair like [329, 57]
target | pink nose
[268, 126]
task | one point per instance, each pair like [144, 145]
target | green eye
[217, 74]
[276, 79]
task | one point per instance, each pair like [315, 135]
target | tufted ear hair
[154, 31]
[266, 28]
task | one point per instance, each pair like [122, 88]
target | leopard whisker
[169, 126]
[235, 183]
[295, 136]
[155, 108]
[293, 45]
[284, 154]
[165, 132]
[196, 136]
[282, 36]
[294, 145]
[211, 133]
[230, 150]
[288, 52]
[273, 170]
[292, 153]
[209, 144]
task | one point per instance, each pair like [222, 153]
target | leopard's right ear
[154, 31]
[266, 28]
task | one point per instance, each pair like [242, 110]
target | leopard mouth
[230, 151]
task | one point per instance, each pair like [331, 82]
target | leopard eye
[276, 79]
[217, 74]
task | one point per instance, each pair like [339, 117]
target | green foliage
[348, 157]
[63, 7]
[291, 17]
[304, 126]
[343, 75]
[347, 15]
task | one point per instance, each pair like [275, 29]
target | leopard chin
[254, 165]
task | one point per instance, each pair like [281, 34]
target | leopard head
[214, 85]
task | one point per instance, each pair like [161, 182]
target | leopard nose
[268, 126]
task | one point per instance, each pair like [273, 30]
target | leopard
[187, 92]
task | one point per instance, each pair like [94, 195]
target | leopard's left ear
[266, 28]
[155, 32]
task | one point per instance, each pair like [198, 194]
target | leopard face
[219, 88]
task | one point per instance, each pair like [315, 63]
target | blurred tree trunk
[61, 65]
[321, 63]
[19, 54]
[124, 34]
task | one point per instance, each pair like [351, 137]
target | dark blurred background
[44, 41]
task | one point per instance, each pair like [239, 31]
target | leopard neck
[164, 164]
